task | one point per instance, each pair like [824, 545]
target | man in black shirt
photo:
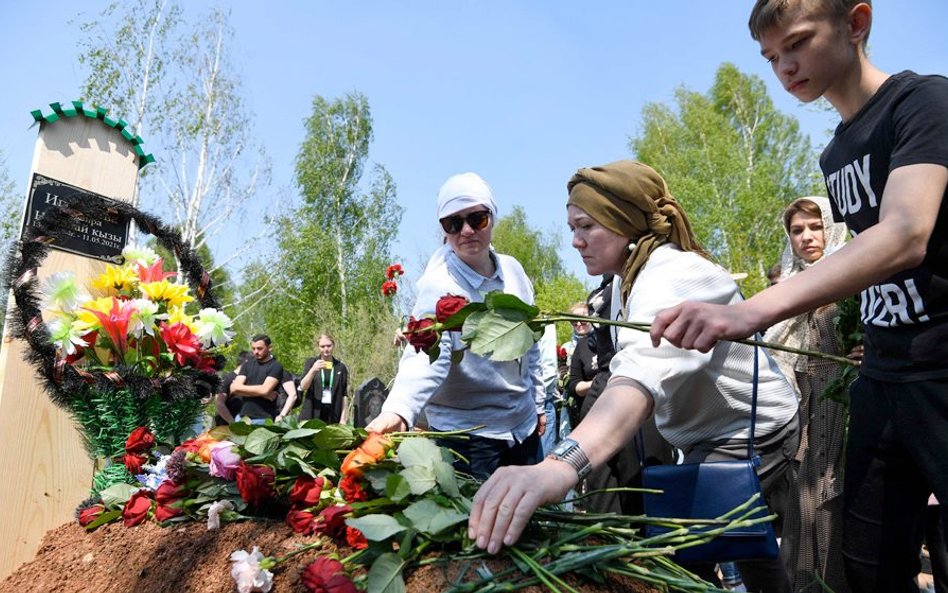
[228, 406]
[257, 382]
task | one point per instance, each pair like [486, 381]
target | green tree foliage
[734, 162]
[539, 254]
[333, 250]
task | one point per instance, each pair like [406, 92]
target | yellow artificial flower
[86, 320]
[115, 280]
[177, 315]
[174, 295]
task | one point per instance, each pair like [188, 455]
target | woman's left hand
[505, 503]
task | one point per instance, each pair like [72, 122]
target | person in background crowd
[288, 396]
[548, 373]
[324, 385]
[228, 406]
[257, 381]
[812, 532]
[625, 222]
[504, 399]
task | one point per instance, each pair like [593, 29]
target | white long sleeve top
[504, 397]
[698, 397]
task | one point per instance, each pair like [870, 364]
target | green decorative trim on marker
[100, 113]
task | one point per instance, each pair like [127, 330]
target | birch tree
[180, 86]
[734, 162]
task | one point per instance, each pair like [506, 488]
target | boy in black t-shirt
[886, 171]
[257, 382]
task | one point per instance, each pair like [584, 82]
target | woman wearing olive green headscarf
[626, 222]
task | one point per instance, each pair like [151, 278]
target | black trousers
[896, 456]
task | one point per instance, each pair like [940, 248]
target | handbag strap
[640, 441]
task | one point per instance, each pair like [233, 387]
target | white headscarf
[457, 193]
[794, 332]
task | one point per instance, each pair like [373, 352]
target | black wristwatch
[570, 452]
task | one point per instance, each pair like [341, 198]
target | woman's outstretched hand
[506, 501]
[387, 422]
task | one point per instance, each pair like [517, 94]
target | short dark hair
[767, 13]
[261, 338]
[242, 357]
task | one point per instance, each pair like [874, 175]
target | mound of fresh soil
[190, 559]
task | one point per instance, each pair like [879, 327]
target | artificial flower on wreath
[146, 353]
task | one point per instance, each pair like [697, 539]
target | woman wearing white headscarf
[504, 399]
[812, 531]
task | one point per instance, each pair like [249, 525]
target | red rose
[352, 490]
[326, 575]
[303, 522]
[355, 539]
[163, 512]
[394, 271]
[389, 288]
[134, 463]
[255, 483]
[137, 508]
[447, 306]
[332, 520]
[90, 514]
[169, 492]
[421, 340]
[140, 441]
[306, 491]
[561, 353]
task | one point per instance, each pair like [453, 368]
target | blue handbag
[711, 490]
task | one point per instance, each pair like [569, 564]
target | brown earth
[190, 559]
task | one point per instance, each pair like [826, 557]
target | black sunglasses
[452, 225]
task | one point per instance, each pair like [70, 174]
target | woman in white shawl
[811, 544]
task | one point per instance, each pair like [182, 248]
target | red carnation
[326, 575]
[352, 490]
[255, 483]
[90, 514]
[302, 522]
[134, 462]
[355, 539]
[394, 271]
[332, 520]
[140, 440]
[448, 305]
[306, 491]
[418, 336]
[389, 288]
[137, 508]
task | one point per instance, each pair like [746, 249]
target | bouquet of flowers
[133, 348]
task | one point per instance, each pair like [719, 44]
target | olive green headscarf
[632, 200]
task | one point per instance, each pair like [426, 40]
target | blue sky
[521, 92]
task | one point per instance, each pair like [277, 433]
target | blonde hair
[326, 335]
[767, 13]
[580, 305]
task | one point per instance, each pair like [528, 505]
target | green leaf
[457, 320]
[497, 301]
[429, 517]
[376, 528]
[420, 478]
[262, 441]
[106, 517]
[501, 337]
[335, 436]
[241, 428]
[397, 487]
[446, 478]
[117, 494]
[299, 433]
[385, 576]
[418, 451]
